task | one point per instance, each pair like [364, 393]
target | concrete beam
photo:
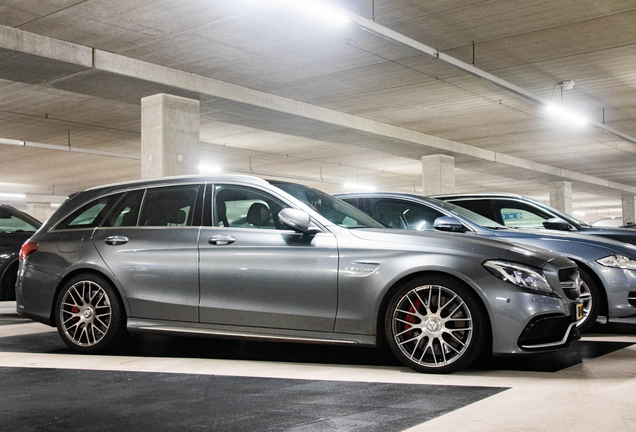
[117, 77]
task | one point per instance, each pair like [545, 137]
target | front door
[255, 272]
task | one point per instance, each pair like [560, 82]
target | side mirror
[297, 220]
[448, 223]
[556, 224]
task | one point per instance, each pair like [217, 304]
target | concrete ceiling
[284, 93]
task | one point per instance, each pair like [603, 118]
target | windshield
[473, 217]
[566, 217]
[12, 220]
[338, 212]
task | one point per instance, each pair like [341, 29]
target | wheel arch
[84, 270]
[381, 335]
[604, 311]
[5, 273]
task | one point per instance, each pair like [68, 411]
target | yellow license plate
[579, 311]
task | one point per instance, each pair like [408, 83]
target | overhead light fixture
[565, 116]
[11, 141]
[578, 213]
[210, 169]
[358, 186]
[567, 85]
[319, 10]
[12, 195]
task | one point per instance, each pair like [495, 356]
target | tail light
[27, 249]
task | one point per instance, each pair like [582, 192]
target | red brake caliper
[412, 318]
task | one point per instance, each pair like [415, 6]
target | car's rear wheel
[434, 324]
[591, 298]
[89, 314]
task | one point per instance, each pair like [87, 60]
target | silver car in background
[240, 257]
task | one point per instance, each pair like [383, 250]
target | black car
[517, 211]
[15, 228]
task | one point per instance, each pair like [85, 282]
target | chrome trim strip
[169, 329]
[551, 344]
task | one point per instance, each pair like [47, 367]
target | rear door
[149, 241]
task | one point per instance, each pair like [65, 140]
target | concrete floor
[167, 383]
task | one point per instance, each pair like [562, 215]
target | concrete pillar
[629, 209]
[40, 211]
[169, 136]
[561, 196]
[438, 174]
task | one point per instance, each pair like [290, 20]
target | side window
[10, 223]
[243, 207]
[405, 215]
[479, 206]
[169, 206]
[126, 211]
[89, 215]
[516, 214]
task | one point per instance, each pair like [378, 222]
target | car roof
[181, 179]
[478, 195]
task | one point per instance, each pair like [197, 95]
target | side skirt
[140, 325]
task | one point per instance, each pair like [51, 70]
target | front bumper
[526, 322]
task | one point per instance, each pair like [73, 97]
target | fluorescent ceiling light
[319, 10]
[359, 186]
[12, 195]
[210, 169]
[578, 213]
[565, 116]
[11, 141]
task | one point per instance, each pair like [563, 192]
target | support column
[438, 174]
[629, 209]
[561, 196]
[40, 211]
[169, 136]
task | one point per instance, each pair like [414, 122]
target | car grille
[545, 329]
[570, 282]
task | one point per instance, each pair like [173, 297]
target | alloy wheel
[432, 326]
[85, 313]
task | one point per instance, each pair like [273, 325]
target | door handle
[115, 240]
[220, 240]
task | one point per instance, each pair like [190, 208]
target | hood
[627, 235]
[590, 247]
[483, 247]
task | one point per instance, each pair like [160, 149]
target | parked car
[516, 211]
[606, 266]
[240, 257]
[614, 222]
[15, 228]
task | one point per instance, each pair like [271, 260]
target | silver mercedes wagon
[240, 257]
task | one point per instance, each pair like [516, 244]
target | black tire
[89, 314]
[591, 297]
[435, 339]
[7, 285]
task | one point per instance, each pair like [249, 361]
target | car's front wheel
[434, 324]
[89, 314]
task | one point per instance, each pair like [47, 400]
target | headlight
[617, 261]
[519, 274]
